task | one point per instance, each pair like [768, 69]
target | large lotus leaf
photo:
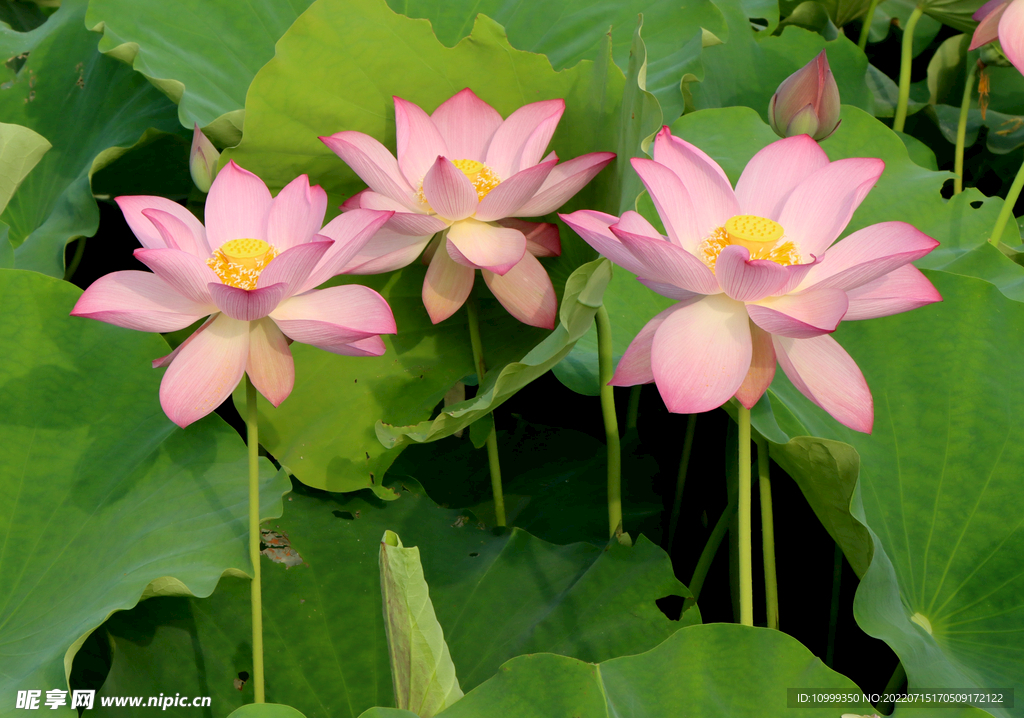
[325, 643]
[91, 109]
[202, 55]
[20, 151]
[568, 32]
[938, 482]
[104, 499]
[905, 192]
[717, 670]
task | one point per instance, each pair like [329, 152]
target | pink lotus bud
[807, 102]
[202, 162]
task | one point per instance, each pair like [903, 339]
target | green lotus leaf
[20, 151]
[202, 55]
[325, 647]
[265, 710]
[105, 500]
[113, 108]
[568, 32]
[718, 669]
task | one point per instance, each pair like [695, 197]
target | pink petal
[828, 376]
[369, 347]
[419, 142]
[177, 234]
[762, 367]
[248, 304]
[666, 263]
[270, 365]
[672, 202]
[521, 139]
[506, 199]
[351, 232]
[294, 266]
[165, 361]
[186, 274]
[148, 235]
[773, 173]
[404, 222]
[138, 300]
[375, 166]
[808, 314]
[898, 291]
[485, 246]
[449, 192]
[466, 124]
[541, 237]
[669, 290]
[988, 29]
[355, 201]
[296, 214]
[385, 252]
[336, 315]
[747, 279]
[565, 180]
[868, 254]
[526, 292]
[446, 286]
[636, 223]
[635, 366]
[1011, 34]
[795, 275]
[701, 354]
[820, 207]
[205, 371]
[710, 192]
[594, 227]
[237, 206]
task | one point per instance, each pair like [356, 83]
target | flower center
[482, 177]
[239, 262]
[761, 236]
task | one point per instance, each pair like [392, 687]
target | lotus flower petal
[898, 291]
[248, 304]
[270, 365]
[466, 124]
[351, 232]
[449, 192]
[828, 376]
[664, 262]
[775, 171]
[143, 228]
[801, 316]
[521, 139]
[748, 279]
[485, 246]
[506, 199]
[541, 237]
[419, 142]
[526, 292]
[672, 200]
[762, 367]
[710, 192]
[701, 354]
[635, 366]
[565, 180]
[336, 315]
[375, 166]
[206, 371]
[138, 300]
[294, 266]
[184, 272]
[296, 214]
[237, 206]
[446, 286]
[594, 228]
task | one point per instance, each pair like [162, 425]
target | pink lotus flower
[807, 102]
[258, 285]
[755, 277]
[1002, 20]
[466, 172]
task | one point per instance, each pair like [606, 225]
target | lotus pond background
[123, 566]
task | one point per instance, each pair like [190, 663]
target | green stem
[865, 29]
[906, 60]
[743, 507]
[492, 438]
[1007, 211]
[961, 130]
[684, 462]
[76, 259]
[833, 616]
[252, 424]
[611, 423]
[771, 587]
[633, 409]
[710, 549]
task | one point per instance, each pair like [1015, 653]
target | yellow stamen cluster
[480, 176]
[762, 237]
[239, 262]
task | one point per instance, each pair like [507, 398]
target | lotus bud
[202, 162]
[807, 102]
